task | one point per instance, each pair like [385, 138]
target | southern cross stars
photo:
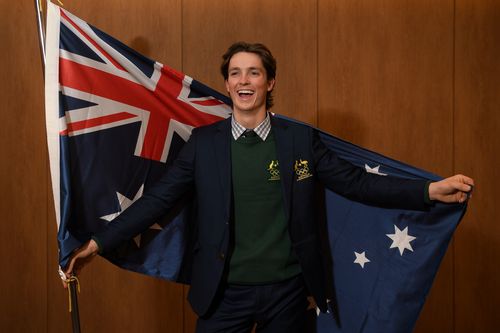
[401, 239]
[361, 259]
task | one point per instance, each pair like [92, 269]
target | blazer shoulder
[293, 125]
[212, 128]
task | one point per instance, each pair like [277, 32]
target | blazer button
[221, 256]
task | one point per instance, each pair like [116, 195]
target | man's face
[247, 82]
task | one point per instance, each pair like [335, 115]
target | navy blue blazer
[204, 164]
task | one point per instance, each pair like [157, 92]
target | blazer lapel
[222, 147]
[284, 150]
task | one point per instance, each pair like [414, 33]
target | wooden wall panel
[385, 77]
[152, 28]
[23, 176]
[386, 82]
[477, 152]
[113, 299]
[288, 28]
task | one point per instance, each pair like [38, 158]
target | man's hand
[80, 258]
[452, 189]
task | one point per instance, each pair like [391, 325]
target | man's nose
[244, 79]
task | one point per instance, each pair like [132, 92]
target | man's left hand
[452, 189]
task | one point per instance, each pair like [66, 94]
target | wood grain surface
[416, 80]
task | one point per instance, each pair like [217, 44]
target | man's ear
[227, 86]
[270, 84]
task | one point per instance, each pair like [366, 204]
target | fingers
[463, 187]
[76, 262]
[63, 277]
[464, 179]
[72, 268]
[69, 270]
[64, 283]
[67, 273]
[79, 259]
[462, 197]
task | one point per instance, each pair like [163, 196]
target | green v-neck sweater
[262, 250]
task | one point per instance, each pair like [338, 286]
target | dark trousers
[277, 307]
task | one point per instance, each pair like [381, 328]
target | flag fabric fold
[116, 120]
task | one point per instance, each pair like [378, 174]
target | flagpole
[41, 32]
[74, 286]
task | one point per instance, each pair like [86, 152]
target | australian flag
[116, 120]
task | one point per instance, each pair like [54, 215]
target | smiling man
[257, 256]
[248, 86]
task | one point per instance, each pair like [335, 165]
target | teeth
[245, 92]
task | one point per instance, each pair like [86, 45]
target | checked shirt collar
[262, 130]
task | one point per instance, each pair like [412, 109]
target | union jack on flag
[115, 121]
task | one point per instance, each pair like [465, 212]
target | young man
[257, 254]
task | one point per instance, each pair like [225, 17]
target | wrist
[98, 244]
[93, 247]
[427, 199]
[432, 191]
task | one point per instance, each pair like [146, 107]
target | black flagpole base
[75, 314]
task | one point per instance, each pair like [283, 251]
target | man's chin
[246, 110]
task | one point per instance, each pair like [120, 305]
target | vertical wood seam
[453, 110]
[317, 65]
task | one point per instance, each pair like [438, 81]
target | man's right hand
[80, 258]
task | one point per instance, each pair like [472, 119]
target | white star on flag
[401, 239]
[374, 170]
[361, 259]
[124, 204]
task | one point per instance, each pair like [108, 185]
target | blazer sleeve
[355, 183]
[156, 201]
